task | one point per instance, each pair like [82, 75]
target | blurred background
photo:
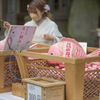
[76, 19]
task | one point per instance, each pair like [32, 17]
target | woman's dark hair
[40, 5]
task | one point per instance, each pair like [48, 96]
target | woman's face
[36, 17]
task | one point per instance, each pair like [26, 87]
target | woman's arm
[7, 26]
[53, 33]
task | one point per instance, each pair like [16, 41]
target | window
[23, 5]
[11, 6]
[60, 5]
[56, 4]
[64, 5]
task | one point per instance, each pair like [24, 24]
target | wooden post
[1, 72]
[21, 66]
[98, 35]
[74, 77]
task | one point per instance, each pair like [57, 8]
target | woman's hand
[49, 37]
[6, 25]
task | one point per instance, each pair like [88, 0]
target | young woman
[47, 31]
